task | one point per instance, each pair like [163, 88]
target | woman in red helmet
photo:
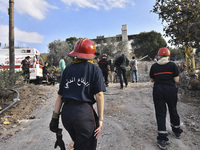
[80, 83]
[165, 75]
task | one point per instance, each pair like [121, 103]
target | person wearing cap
[81, 86]
[165, 75]
[105, 67]
[25, 64]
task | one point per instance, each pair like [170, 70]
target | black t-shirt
[25, 64]
[164, 74]
[81, 81]
[45, 69]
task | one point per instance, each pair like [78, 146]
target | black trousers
[26, 74]
[80, 120]
[105, 75]
[163, 96]
[122, 72]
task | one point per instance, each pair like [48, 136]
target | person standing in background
[62, 65]
[105, 67]
[45, 71]
[121, 61]
[25, 65]
[111, 74]
[134, 69]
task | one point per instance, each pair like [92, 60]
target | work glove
[54, 123]
[59, 141]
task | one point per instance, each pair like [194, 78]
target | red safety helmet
[164, 52]
[84, 49]
[105, 55]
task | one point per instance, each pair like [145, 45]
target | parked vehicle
[36, 62]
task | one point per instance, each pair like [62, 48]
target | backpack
[132, 62]
[119, 61]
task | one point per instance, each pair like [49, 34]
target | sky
[40, 22]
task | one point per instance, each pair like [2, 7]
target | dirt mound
[31, 97]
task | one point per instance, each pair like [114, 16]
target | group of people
[47, 75]
[82, 85]
[116, 67]
[25, 66]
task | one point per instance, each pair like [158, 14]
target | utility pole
[11, 36]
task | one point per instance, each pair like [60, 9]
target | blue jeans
[134, 72]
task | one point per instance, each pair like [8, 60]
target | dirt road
[129, 123]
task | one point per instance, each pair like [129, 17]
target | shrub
[7, 80]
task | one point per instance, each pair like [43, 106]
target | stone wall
[143, 71]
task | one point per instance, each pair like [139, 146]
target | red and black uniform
[103, 64]
[165, 92]
[80, 82]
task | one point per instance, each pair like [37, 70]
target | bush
[7, 80]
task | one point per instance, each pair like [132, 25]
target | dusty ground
[129, 122]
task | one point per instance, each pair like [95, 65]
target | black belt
[72, 101]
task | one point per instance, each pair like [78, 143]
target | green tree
[57, 49]
[148, 43]
[111, 47]
[181, 19]
[107, 48]
[123, 46]
[44, 56]
[71, 42]
[177, 54]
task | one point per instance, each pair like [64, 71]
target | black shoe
[121, 88]
[132, 81]
[178, 134]
[162, 144]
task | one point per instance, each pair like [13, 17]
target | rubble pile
[190, 84]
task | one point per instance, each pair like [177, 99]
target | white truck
[36, 62]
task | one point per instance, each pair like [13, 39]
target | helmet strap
[81, 60]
